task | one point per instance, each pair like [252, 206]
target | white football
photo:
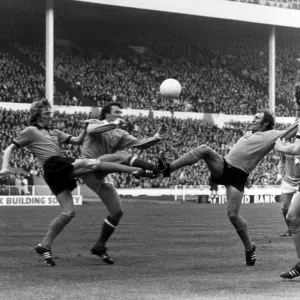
[170, 88]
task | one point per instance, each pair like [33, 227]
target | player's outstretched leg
[83, 166]
[213, 160]
[127, 159]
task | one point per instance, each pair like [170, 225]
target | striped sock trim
[107, 222]
[133, 158]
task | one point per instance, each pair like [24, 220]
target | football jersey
[98, 142]
[42, 142]
[251, 148]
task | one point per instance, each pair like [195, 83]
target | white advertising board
[34, 200]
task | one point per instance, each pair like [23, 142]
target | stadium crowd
[252, 64]
[217, 83]
[184, 135]
[19, 83]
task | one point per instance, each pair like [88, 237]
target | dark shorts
[58, 174]
[232, 176]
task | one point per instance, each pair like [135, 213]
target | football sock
[139, 163]
[57, 225]
[242, 230]
[187, 159]
[108, 227]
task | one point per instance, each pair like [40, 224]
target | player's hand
[247, 134]
[92, 121]
[280, 144]
[120, 122]
[163, 129]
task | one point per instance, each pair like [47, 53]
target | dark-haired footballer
[233, 170]
[105, 139]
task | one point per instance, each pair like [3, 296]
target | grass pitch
[162, 250]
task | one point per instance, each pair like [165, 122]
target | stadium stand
[213, 77]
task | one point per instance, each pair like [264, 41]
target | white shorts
[287, 188]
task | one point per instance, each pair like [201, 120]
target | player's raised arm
[288, 148]
[131, 141]
[291, 131]
[101, 127]
[78, 140]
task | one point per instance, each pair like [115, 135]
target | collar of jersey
[41, 127]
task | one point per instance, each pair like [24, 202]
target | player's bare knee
[238, 222]
[204, 149]
[200, 152]
[232, 213]
[124, 157]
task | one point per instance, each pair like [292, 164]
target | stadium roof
[222, 9]
[27, 17]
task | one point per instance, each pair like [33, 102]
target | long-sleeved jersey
[105, 138]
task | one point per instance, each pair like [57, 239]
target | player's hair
[268, 119]
[36, 109]
[106, 109]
